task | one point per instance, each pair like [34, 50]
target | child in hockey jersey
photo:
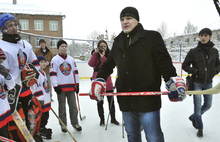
[42, 92]
[65, 80]
[5, 110]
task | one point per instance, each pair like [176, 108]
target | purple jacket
[93, 62]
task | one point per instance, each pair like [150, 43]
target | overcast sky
[85, 16]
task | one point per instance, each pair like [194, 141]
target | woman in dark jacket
[99, 55]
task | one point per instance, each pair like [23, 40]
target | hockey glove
[29, 75]
[176, 87]
[57, 89]
[98, 87]
[77, 89]
[3, 71]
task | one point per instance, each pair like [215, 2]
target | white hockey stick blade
[84, 117]
[214, 90]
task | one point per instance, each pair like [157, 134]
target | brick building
[37, 21]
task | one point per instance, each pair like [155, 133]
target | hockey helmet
[4, 18]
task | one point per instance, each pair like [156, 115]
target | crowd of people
[141, 58]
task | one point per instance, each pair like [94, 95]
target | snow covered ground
[174, 121]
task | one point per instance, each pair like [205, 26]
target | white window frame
[24, 24]
[38, 25]
[53, 42]
[37, 41]
[53, 25]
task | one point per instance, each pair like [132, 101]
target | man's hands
[176, 87]
[3, 71]
[57, 89]
[98, 87]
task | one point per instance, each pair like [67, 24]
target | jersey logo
[22, 59]
[46, 86]
[2, 93]
[65, 68]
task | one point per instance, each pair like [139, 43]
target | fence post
[180, 50]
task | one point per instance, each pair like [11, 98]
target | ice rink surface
[174, 121]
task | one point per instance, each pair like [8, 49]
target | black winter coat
[204, 67]
[139, 68]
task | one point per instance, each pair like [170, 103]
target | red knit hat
[2, 54]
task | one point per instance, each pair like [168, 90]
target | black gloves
[77, 89]
[3, 71]
[57, 89]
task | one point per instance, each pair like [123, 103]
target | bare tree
[94, 35]
[163, 30]
[190, 28]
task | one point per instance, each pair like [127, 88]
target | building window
[53, 25]
[53, 42]
[24, 24]
[37, 41]
[38, 25]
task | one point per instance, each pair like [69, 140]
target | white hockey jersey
[42, 92]
[64, 72]
[17, 55]
[5, 110]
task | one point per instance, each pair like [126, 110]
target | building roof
[27, 9]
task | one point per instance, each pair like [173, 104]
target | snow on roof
[26, 9]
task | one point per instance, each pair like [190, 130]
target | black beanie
[130, 11]
[60, 42]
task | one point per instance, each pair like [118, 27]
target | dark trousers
[5, 132]
[111, 107]
[44, 119]
[24, 102]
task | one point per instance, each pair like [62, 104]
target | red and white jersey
[42, 92]
[62, 73]
[17, 55]
[5, 110]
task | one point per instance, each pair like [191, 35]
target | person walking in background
[47, 53]
[99, 55]
[141, 59]
[63, 70]
[205, 65]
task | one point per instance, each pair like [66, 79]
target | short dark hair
[41, 40]
[205, 31]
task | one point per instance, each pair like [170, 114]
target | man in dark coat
[141, 59]
[205, 65]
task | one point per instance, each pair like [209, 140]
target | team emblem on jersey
[2, 93]
[46, 86]
[22, 59]
[65, 68]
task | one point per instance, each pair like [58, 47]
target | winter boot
[193, 121]
[102, 122]
[114, 121]
[200, 133]
[63, 129]
[45, 133]
[101, 113]
[77, 127]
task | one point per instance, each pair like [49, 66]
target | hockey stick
[84, 117]
[63, 124]
[214, 90]
[3, 139]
